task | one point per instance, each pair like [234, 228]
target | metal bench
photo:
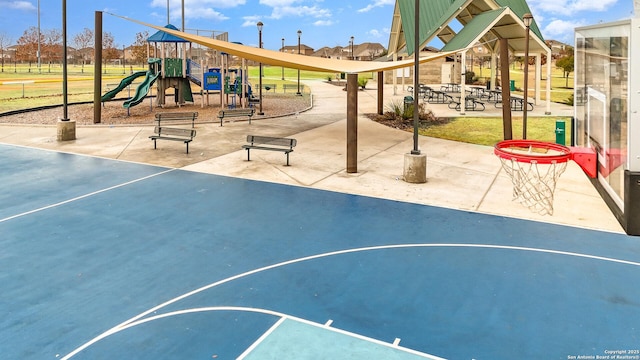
[176, 117]
[175, 134]
[269, 143]
[235, 113]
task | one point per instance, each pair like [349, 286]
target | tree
[52, 47]
[27, 49]
[139, 48]
[566, 63]
[5, 40]
[110, 51]
[84, 43]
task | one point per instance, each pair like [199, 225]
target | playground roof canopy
[163, 36]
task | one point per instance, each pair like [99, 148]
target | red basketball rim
[560, 153]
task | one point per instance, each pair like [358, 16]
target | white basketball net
[533, 183]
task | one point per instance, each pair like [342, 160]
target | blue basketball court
[103, 259]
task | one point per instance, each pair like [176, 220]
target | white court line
[262, 338]
[83, 196]
[125, 324]
[282, 317]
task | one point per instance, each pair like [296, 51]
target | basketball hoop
[534, 168]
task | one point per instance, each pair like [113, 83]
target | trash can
[408, 103]
[560, 132]
[512, 85]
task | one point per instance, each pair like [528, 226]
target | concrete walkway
[459, 176]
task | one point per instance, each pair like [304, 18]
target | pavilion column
[548, 111]
[506, 92]
[538, 78]
[493, 66]
[463, 70]
[352, 123]
[394, 75]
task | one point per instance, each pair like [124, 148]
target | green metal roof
[475, 28]
[520, 7]
[432, 17]
[435, 16]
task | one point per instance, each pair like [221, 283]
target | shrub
[362, 82]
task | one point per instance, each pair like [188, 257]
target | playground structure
[171, 68]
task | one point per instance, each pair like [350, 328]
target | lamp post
[282, 51]
[527, 19]
[352, 56]
[39, 36]
[299, 33]
[260, 24]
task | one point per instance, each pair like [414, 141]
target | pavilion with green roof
[483, 22]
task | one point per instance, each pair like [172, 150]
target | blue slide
[123, 84]
[142, 90]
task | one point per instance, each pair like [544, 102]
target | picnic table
[439, 97]
[450, 87]
[517, 104]
[471, 103]
[476, 91]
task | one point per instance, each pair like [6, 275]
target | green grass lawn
[489, 131]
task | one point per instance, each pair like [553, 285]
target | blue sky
[322, 22]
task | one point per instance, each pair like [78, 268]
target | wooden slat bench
[235, 113]
[269, 143]
[175, 134]
[176, 117]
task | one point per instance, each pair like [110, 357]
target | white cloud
[204, 13]
[198, 9]
[278, 3]
[570, 7]
[299, 11]
[323, 23]
[176, 4]
[18, 5]
[562, 30]
[377, 3]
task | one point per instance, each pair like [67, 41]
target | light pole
[352, 56]
[260, 24]
[39, 59]
[527, 19]
[282, 51]
[299, 33]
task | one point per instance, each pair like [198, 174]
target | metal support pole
[527, 20]
[380, 91]
[352, 123]
[97, 68]
[260, 112]
[299, 33]
[65, 97]
[416, 78]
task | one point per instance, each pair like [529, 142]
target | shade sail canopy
[294, 61]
